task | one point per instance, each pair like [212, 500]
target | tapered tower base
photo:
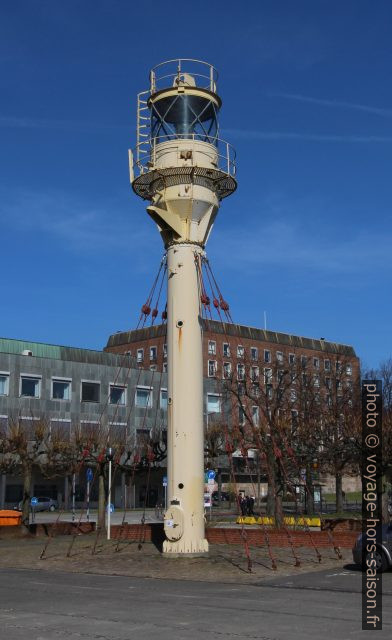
[192, 548]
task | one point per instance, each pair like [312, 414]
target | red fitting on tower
[224, 305]
[164, 315]
[154, 313]
[146, 309]
[216, 303]
[205, 300]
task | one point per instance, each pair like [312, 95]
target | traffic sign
[34, 501]
[210, 474]
[89, 475]
[164, 481]
[111, 507]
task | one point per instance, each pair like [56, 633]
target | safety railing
[183, 71]
[145, 153]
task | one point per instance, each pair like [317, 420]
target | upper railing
[183, 71]
[145, 153]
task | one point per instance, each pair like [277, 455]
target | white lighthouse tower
[183, 169]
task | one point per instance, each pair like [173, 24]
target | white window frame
[60, 379]
[327, 365]
[226, 351]
[316, 363]
[81, 392]
[349, 369]
[254, 373]
[226, 374]
[254, 356]
[32, 376]
[160, 399]
[267, 358]
[240, 351]
[241, 367]
[212, 348]
[140, 355]
[165, 349]
[120, 386]
[6, 374]
[255, 415]
[291, 358]
[268, 376]
[143, 387]
[152, 357]
[219, 397]
[279, 357]
[164, 367]
[215, 367]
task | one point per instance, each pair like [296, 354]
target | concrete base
[183, 548]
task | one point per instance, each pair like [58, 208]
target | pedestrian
[242, 503]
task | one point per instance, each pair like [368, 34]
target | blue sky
[307, 103]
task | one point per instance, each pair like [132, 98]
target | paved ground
[54, 605]
[137, 593]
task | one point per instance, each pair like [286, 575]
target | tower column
[184, 519]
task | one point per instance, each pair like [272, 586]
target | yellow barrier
[311, 521]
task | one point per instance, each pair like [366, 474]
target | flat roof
[237, 331]
[60, 352]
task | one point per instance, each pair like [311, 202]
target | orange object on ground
[10, 518]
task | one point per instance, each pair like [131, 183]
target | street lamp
[109, 458]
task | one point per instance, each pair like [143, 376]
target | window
[291, 358]
[165, 350]
[316, 380]
[304, 379]
[338, 367]
[279, 356]
[267, 355]
[226, 369]
[211, 348]
[4, 384]
[61, 389]
[143, 397]
[90, 430]
[254, 374]
[117, 394]
[213, 403]
[241, 388]
[327, 365]
[280, 375]
[163, 399]
[3, 426]
[212, 368]
[153, 367]
[269, 391]
[153, 354]
[164, 368]
[294, 420]
[316, 363]
[254, 354]
[293, 395]
[30, 387]
[241, 415]
[328, 383]
[255, 415]
[240, 351]
[349, 369]
[118, 432]
[304, 361]
[226, 350]
[140, 355]
[91, 391]
[60, 429]
[267, 376]
[240, 372]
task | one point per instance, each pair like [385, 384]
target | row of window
[30, 386]
[153, 353]
[279, 355]
[254, 373]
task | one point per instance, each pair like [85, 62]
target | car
[44, 504]
[383, 553]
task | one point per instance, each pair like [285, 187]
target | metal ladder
[143, 131]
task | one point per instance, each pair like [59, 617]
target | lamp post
[109, 458]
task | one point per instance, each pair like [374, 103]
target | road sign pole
[109, 498]
[73, 496]
[88, 501]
